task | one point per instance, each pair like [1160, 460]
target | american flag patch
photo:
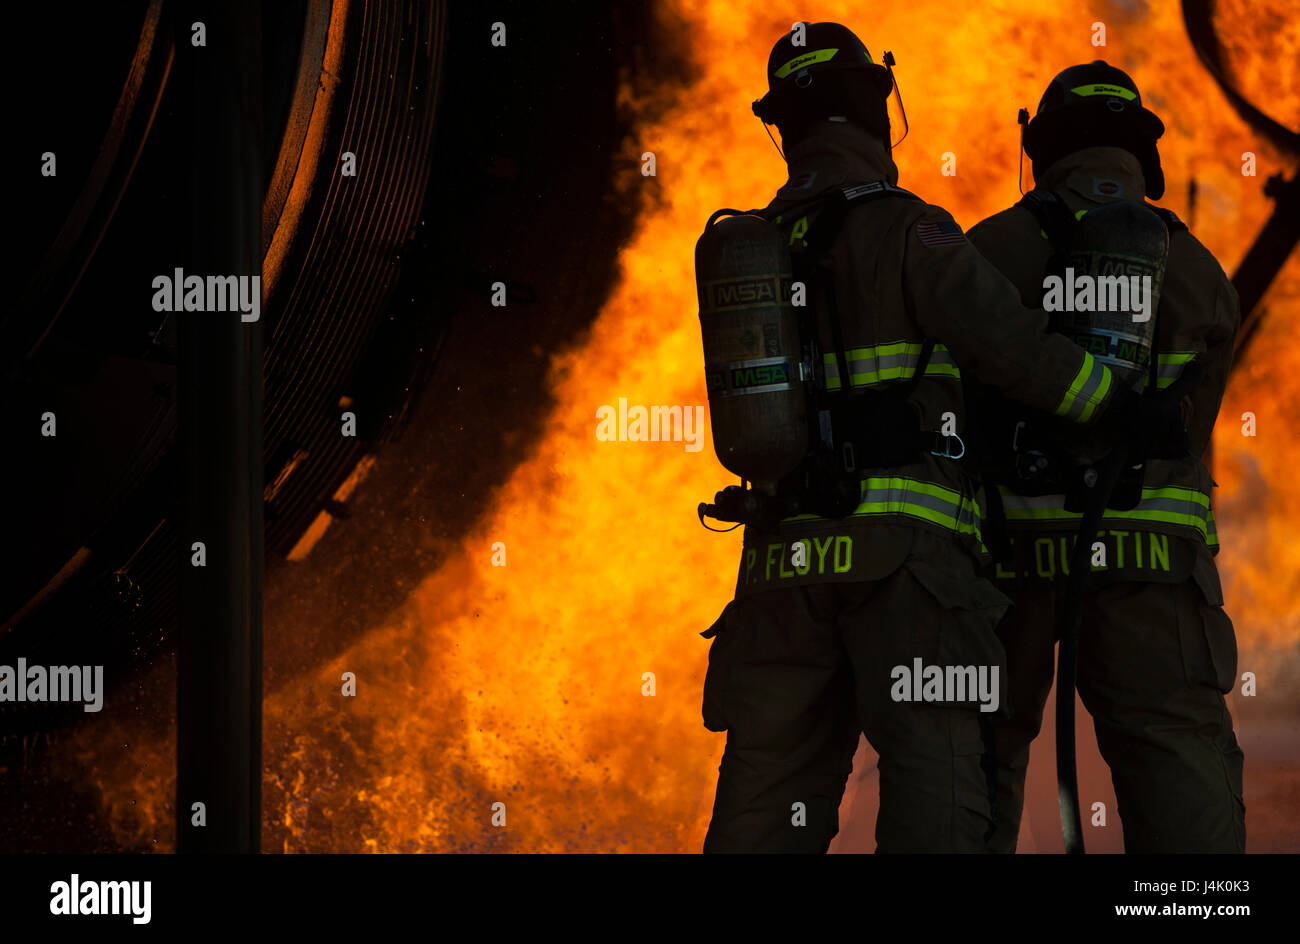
[940, 233]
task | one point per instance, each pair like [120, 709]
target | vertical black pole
[219, 685]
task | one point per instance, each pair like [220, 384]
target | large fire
[523, 684]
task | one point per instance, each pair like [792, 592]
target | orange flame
[523, 684]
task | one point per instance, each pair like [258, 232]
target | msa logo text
[757, 376]
[749, 292]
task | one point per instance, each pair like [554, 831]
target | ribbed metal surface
[338, 267]
[338, 278]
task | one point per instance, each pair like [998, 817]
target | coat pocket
[967, 632]
[1210, 659]
[715, 679]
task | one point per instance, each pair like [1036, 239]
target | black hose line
[1067, 664]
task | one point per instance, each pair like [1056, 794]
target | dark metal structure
[220, 158]
[469, 170]
[219, 363]
[1280, 234]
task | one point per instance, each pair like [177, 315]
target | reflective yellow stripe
[914, 498]
[1085, 371]
[885, 362]
[1088, 389]
[1169, 366]
[807, 59]
[1098, 88]
[1185, 507]
[1178, 494]
[1075, 385]
[1098, 397]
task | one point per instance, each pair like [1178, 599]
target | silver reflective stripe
[914, 498]
[1086, 392]
[928, 501]
[752, 362]
[863, 189]
[766, 388]
[885, 362]
[1170, 367]
[901, 495]
[1157, 505]
[940, 357]
[1173, 506]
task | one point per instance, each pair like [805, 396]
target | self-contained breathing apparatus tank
[1115, 244]
[1102, 291]
[801, 447]
[752, 356]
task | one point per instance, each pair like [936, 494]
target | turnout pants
[1154, 662]
[796, 673]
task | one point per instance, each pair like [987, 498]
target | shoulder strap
[1172, 222]
[1057, 223]
[835, 206]
[1054, 217]
[1056, 220]
[922, 362]
[730, 211]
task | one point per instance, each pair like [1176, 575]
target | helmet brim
[769, 105]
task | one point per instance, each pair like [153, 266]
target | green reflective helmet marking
[1099, 88]
[807, 59]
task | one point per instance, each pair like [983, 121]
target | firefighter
[1156, 649]
[838, 621]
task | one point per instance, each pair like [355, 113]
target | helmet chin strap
[774, 144]
[1023, 119]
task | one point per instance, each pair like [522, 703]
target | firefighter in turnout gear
[842, 616]
[1156, 649]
